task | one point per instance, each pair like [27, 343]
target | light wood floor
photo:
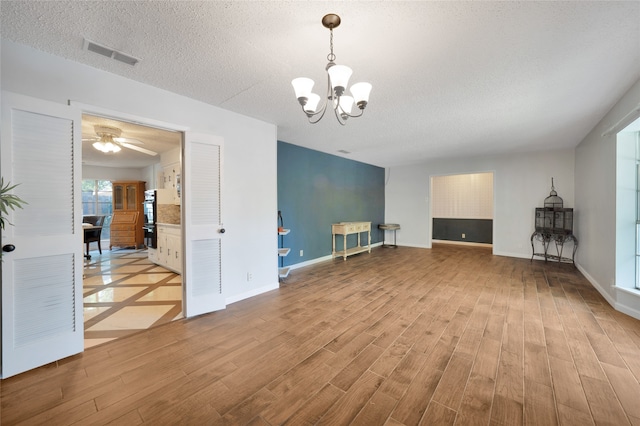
[451, 335]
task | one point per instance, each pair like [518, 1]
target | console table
[348, 228]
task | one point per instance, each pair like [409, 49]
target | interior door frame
[143, 121]
[431, 202]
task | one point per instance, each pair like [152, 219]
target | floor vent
[92, 46]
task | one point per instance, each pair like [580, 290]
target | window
[96, 197]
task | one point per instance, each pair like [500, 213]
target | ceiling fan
[109, 140]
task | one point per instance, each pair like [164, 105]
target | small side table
[389, 227]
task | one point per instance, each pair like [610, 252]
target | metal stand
[389, 227]
[559, 240]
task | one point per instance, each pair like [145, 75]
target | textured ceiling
[449, 78]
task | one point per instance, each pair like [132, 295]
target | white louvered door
[202, 183]
[42, 318]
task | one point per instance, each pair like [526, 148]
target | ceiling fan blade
[129, 140]
[90, 139]
[137, 148]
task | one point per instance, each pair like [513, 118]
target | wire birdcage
[553, 201]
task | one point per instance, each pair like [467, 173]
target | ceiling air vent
[343, 151]
[92, 46]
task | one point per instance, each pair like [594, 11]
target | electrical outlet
[301, 253]
[464, 236]
[249, 276]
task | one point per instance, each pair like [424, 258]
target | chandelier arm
[354, 116]
[313, 114]
[342, 112]
[321, 112]
[339, 117]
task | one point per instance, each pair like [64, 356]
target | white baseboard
[628, 301]
[424, 246]
[597, 286]
[321, 259]
[311, 262]
[251, 293]
[625, 300]
[461, 243]
[509, 254]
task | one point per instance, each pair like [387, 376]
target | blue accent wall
[317, 189]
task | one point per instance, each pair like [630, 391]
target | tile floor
[125, 293]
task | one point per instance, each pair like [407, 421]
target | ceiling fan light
[360, 92]
[339, 75]
[111, 147]
[302, 86]
[106, 147]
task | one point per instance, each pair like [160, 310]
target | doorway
[125, 288]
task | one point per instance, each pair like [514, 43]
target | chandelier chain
[331, 57]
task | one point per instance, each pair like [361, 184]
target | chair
[93, 234]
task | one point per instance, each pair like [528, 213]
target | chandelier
[337, 80]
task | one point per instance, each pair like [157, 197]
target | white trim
[462, 243]
[516, 255]
[597, 286]
[311, 262]
[625, 297]
[424, 246]
[322, 259]
[251, 293]
[131, 118]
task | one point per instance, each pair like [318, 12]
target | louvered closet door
[202, 183]
[42, 278]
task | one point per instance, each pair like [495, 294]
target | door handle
[8, 248]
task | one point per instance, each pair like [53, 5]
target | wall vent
[92, 46]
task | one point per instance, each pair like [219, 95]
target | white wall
[467, 196]
[521, 183]
[113, 173]
[249, 162]
[596, 199]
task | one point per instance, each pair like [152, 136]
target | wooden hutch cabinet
[128, 214]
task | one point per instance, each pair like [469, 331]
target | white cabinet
[153, 254]
[171, 179]
[169, 251]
